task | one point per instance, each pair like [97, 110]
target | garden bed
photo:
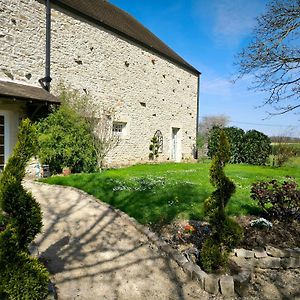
[187, 236]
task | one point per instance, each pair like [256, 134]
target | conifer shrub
[225, 232]
[22, 277]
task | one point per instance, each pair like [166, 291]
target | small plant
[154, 147]
[189, 229]
[278, 200]
[261, 223]
[226, 233]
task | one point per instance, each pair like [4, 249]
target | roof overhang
[25, 92]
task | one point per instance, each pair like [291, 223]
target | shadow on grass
[154, 205]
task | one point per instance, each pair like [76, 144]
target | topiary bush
[64, 140]
[225, 232]
[22, 277]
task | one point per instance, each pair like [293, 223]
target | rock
[244, 253]
[189, 268]
[260, 253]
[181, 260]
[268, 263]
[241, 282]
[290, 263]
[275, 252]
[211, 284]
[200, 275]
[271, 292]
[294, 252]
[243, 263]
[227, 286]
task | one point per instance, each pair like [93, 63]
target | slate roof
[26, 92]
[117, 20]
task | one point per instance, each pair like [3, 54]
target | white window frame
[119, 128]
[6, 135]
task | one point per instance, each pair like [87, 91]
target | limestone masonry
[148, 91]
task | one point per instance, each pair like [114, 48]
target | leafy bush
[21, 277]
[226, 233]
[278, 200]
[283, 152]
[65, 141]
[252, 147]
[257, 147]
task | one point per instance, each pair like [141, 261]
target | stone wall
[148, 92]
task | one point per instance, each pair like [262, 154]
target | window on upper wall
[119, 128]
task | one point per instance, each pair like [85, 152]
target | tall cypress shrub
[225, 232]
[22, 277]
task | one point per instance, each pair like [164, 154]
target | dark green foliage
[21, 220]
[154, 147]
[252, 147]
[20, 207]
[278, 200]
[257, 147]
[65, 141]
[226, 233]
[235, 137]
[24, 278]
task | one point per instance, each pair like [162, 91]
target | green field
[160, 193]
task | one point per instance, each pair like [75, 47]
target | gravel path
[93, 253]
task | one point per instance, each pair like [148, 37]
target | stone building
[104, 52]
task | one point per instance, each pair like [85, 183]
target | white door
[175, 144]
[2, 142]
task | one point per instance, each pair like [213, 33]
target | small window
[119, 128]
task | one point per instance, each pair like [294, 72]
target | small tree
[100, 121]
[226, 233]
[154, 147]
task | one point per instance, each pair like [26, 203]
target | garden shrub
[225, 232]
[257, 147]
[282, 153]
[278, 200]
[154, 147]
[22, 277]
[252, 147]
[64, 140]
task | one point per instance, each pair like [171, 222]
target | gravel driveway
[93, 253]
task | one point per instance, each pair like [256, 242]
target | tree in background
[273, 55]
[204, 128]
[257, 147]
[252, 147]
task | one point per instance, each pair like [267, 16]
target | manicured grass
[159, 193]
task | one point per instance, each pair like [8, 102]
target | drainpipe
[45, 82]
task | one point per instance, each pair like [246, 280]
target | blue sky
[208, 34]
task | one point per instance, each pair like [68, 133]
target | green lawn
[159, 193]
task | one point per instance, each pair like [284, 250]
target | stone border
[264, 258]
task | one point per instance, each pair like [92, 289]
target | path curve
[94, 253]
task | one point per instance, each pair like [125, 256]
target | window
[2, 152]
[119, 128]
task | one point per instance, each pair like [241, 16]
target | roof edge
[124, 35]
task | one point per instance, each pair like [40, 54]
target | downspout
[45, 82]
[198, 114]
